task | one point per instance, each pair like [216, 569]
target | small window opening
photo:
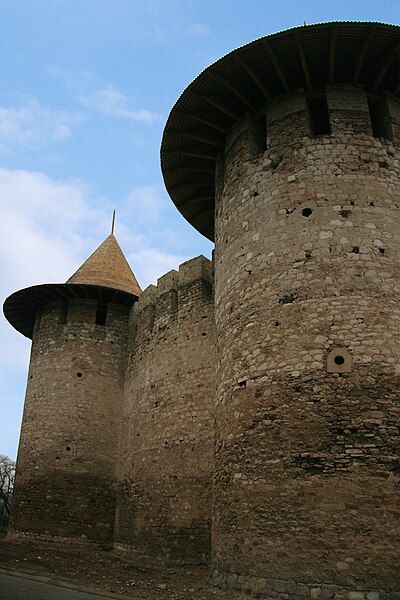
[380, 119]
[382, 250]
[101, 314]
[79, 374]
[38, 319]
[261, 136]
[318, 113]
[306, 212]
[63, 313]
[356, 250]
[68, 448]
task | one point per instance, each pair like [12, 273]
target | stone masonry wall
[307, 470]
[167, 435]
[67, 454]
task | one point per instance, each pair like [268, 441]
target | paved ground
[18, 587]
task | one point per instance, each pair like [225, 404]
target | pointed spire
[107, 267]
[113, 223]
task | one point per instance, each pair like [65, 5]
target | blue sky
[86, 88]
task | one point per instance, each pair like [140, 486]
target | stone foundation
[277, 589]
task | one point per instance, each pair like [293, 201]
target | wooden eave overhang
[21, 308]
[241, 82]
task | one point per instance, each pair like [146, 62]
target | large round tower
[286, 152]
[66, 467]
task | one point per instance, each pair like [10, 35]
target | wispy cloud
[46, 231]
[30, 125]
[197, 29]
[146, 206]
[74, 81]
[53, 226]
[109, 101]
[145, 202]
[151, 263]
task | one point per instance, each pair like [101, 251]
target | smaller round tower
[68, 452]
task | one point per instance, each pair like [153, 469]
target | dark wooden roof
[306, 57]
[21, 307]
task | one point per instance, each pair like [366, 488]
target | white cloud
[151, 251]
[109, 101]
[197, 29]
[31, 125]
[45, 221]
[50, 227]
[145, 202]
[150, 263]
[74, 81]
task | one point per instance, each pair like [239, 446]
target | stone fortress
[243, 412]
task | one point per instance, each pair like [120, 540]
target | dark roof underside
[21, 307]
[241, 82]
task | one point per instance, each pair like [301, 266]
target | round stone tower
[66, 467]
[286, 152]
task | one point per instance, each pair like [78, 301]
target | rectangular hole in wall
[318, 113]
[38, 319]
[101, 314]
[262, 129]
[380, 119]
[63, 313]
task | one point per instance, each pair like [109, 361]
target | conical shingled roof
[107, 267]
[105, 277]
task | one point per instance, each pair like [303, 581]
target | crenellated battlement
[190, 272]
[176, 294]
[300, 119]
